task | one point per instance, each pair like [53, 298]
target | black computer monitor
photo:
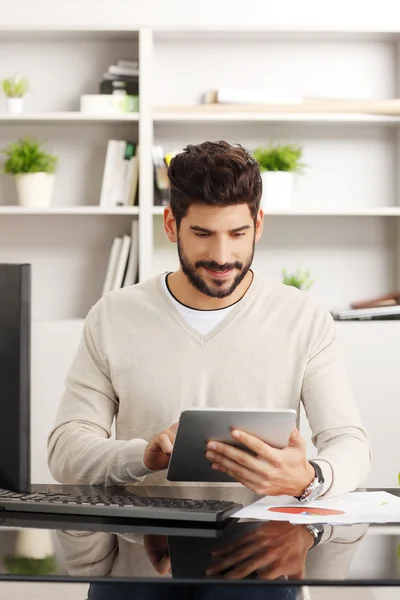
[15, 341]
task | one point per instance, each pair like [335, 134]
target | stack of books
[121, 173]
[124, 74]
[122, 268]
[122, 78]
[118, 91]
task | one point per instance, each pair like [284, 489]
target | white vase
[34, 543]
[35, 190]
[277, 190]
[15, 105]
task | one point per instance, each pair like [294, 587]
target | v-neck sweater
[141, 363]
[201, 320]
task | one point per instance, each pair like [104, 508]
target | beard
[219, 289]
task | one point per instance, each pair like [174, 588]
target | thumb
[296, 440]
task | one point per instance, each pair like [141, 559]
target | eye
[201, 234]
[238, 234]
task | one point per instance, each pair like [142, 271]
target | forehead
[218, 217]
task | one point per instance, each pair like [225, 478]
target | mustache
[218, 268]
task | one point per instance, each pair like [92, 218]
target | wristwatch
[316, 531]
[314, 489]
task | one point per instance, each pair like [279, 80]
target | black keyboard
[120, 505]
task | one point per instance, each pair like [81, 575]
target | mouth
[219, 274]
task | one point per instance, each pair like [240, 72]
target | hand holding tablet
[199, 427]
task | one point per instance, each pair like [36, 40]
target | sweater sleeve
[80, 448]
[338, 433]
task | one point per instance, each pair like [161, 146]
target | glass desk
[119, 558]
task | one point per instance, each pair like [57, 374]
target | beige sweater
[141, 363]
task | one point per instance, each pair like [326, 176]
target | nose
[219, 251]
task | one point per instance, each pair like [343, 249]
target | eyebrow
[204, 230]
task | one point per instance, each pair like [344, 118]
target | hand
[158, 450]
[156, 547]
[272, 472]
[275, 549]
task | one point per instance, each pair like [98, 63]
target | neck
[185, 293]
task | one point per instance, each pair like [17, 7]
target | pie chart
[309, 511]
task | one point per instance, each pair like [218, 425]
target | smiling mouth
[219, 274]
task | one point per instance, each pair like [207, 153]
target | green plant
[279, 157]
[299, 279]
[15, 87]
[27, 156]
[22, 565]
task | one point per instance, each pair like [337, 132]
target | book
[122, 261]
[123, 70]
[161, 181]
[131, 273]
[242, 96]
[112, 265]
[120, 175]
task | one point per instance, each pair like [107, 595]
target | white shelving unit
[351, 157]
[344, 224]
[68, 117]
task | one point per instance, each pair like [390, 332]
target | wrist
[309, 476]
[314, 489]
[315, 532]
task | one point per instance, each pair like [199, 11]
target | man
[214, 333]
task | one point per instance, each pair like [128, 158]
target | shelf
[208, 32]
[197, 115]
[69, 210]
[61, 117]
[383, 211]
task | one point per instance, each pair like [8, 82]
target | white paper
[356, 507]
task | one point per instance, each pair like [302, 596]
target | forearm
[78, 455]
[345, 459]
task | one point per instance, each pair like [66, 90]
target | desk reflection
[273, 552]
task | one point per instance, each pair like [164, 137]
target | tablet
[201, 425]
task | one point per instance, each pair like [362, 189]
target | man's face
[216, 247]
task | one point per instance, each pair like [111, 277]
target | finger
[296, 440]
[259, 447]
[235, 557]
[224, 453]
[233, 546]
[262, 535]
[247, 567]
[254, 487]
[164, 566]
[240, 471]
[165, 443]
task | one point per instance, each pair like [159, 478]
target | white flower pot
[35, 190]
[34, 543]
[15, 105]
[277, 190]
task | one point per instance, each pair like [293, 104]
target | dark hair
[214, 173]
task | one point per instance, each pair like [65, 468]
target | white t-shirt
[201, 320]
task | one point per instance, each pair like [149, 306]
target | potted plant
[278, 164]
[299, 279]
[33, 170]
[15, 89]
[33, 553]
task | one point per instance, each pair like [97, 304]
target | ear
[170, 225]
[259, 224]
